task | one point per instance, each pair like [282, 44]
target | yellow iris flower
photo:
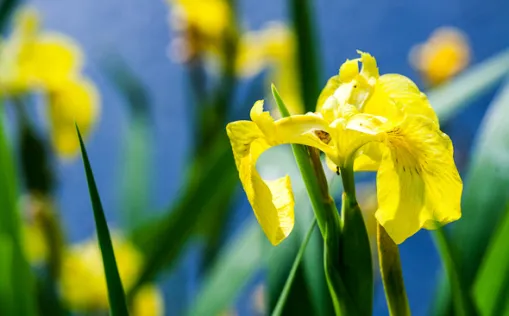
[83, 282]
[273, 47]
[445, 54]
[202, 25]
[51, 63]
[368, 122]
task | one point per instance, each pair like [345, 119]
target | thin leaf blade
[118, 306]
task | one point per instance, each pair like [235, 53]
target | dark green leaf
[115, 290]
[6, 9]
[307, 48]
[355, 262]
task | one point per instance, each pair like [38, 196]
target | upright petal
[331, 86]
[369, 67]
[417, 182]
[272, 201]
[394, 94]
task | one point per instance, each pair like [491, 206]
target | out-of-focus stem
[463, 303]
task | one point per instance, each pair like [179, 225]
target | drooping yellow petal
[272, 201]
[75, 101]
[417, 182]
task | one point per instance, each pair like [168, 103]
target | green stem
[327, 217]
[391, 273]
[355, 263]
[278, 310]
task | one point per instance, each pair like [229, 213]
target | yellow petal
[368, 157]
[417, 181]
[357, 139]
[396, 94]
[54, 59]
[349, 70]
[330, 87]
[272, 201]
[369, 68]
[75, 101]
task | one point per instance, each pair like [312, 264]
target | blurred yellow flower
[37, 220]
[273, 47]
[83, 283]
[84, 98]
[367, 122]
[444, 55]
[201, 25]
[30, 59]
[51, 63]
[34, 243]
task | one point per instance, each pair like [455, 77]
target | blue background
[139, 32]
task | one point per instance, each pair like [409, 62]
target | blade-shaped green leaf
[20, 294]
[235, 266]
[115, 290]
[307, 49]
[6, 292]
[449, 99]
[298, 258]
[491, 288]
[485, 193]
